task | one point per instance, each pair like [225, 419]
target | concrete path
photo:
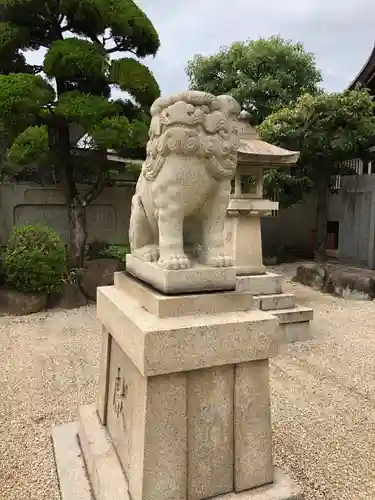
[323, 396]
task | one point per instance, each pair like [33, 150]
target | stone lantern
[247, 205]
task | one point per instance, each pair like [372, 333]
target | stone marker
[183, 408]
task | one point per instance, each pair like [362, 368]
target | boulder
[70, 297]
[350, 284]
[311, 275]
[99, 272]
[19, 303]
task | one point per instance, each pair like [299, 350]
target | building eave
[367, 73]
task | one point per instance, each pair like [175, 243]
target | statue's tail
[138, 223]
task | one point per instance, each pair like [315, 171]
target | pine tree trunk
[77, 232]
[322, 190]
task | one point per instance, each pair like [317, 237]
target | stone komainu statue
[183, 191]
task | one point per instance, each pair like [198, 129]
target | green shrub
[115, 252]
[35, 259]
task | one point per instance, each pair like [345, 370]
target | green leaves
[12, 38]
[84, 108]
[37, 125]
[117, 132]
[327, 128]
[287, 187]
[78, 64]
[263, 75]
[31, 145]
[136, 79]
[74, 59]
[130, 29]
[23, 95]
[110, 133]
[35, 259]
[85, 17]
[38, 18]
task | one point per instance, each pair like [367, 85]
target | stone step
[296, 314]
[264, 284]
[275, 301]
[296, 332]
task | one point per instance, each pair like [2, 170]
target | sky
[340, 33]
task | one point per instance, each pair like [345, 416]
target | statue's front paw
[219, 260]
[174, 262]
[148, 253]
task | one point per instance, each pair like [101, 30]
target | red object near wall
[331, 240]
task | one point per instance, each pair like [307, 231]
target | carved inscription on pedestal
[120, 393]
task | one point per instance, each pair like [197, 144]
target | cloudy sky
[339, 32]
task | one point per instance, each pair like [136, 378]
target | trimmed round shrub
[35, 259]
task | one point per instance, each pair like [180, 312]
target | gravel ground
[44, 358]
[323, 396]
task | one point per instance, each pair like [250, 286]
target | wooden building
[366, 77]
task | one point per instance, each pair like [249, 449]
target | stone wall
[357, 221]
[353, 207]
[107, 218]
[291, 227]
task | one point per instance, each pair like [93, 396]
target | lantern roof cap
[253, 150]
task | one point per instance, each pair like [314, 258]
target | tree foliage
[264, 75]
[41, 108]
[327, 129]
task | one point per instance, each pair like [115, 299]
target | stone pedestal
[243, 233]
[183, 409]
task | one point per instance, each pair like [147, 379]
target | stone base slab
[97, 456]
[283, 488]
[265, 284]
[166, 306]
[198, 278]
[71, 468]
[84, 450]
